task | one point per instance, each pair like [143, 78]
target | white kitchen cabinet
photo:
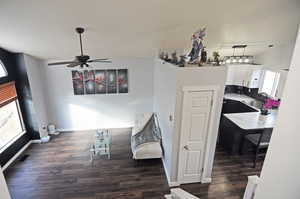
[253, 78]
[244, 75]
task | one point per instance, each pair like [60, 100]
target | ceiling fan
[81, 60]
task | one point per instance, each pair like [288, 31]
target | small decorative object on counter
[197, 45]
[181, 62]
[264, 111]
[162, 55]
[216, 56]
[167, 59]
[209, 61]
[174, 59]
[269, 104]
[203, 58]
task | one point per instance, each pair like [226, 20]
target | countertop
[250, 120]
[253, 120]
[239, 97]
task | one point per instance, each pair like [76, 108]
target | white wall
[278, 57]
[168, 97]
[205, 76]
[36, 77]
[280, 173]
[164, 107]
[4, 194]
[74, 112]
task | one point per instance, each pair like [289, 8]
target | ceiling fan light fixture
[241, 60]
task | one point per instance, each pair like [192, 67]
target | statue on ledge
[197, 45]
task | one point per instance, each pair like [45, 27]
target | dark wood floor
[61, 169]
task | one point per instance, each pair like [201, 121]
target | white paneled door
[194, 129]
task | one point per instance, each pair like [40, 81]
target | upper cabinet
[244, 75]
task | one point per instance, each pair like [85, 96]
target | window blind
[8, 93]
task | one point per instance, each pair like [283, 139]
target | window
[11, 124]
[270, 83]
[3, 72]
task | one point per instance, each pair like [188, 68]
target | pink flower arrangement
[270, 103]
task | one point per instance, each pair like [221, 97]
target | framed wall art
[89, 81]
[122, 81]
[100, 82]
[77, 78]
[111, 81]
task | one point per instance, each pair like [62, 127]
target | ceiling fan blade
[61, 63]
[73, 64]
[99, 61]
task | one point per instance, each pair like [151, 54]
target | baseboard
[70, 130]
[16, 155]
[170, 183]
[65, 130]
[174, 184]
[36, 141]
[206, 180]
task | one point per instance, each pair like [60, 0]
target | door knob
[186, 147]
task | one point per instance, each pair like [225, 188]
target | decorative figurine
[197, 45]
[181, 62]
[174, 58]
[203, 55]
[216, 56]
[161, 55]
[167, 57]
[203, 58]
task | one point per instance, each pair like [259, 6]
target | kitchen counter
[253, 120]
[239, 119]
[239, 97]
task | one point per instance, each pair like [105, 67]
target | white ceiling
[137, 28]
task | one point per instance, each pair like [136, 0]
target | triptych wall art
[112, 81]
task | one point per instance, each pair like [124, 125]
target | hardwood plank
[61, 169]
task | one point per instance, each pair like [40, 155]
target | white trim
[253, 181]
[36, 141]
[200, 88]
[65, 130]
[69, 130]
[170, 183]
[4, 69]
[12, 141]
[16, 155]
[209, 144]
[205, 178]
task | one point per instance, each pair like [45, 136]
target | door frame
[207, 165]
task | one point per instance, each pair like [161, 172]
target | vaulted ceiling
[137, 28]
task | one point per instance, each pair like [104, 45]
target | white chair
[146, 124]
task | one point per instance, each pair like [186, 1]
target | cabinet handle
[186, 147]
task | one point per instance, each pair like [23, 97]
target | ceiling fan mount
[79, 30]
[81, 60]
